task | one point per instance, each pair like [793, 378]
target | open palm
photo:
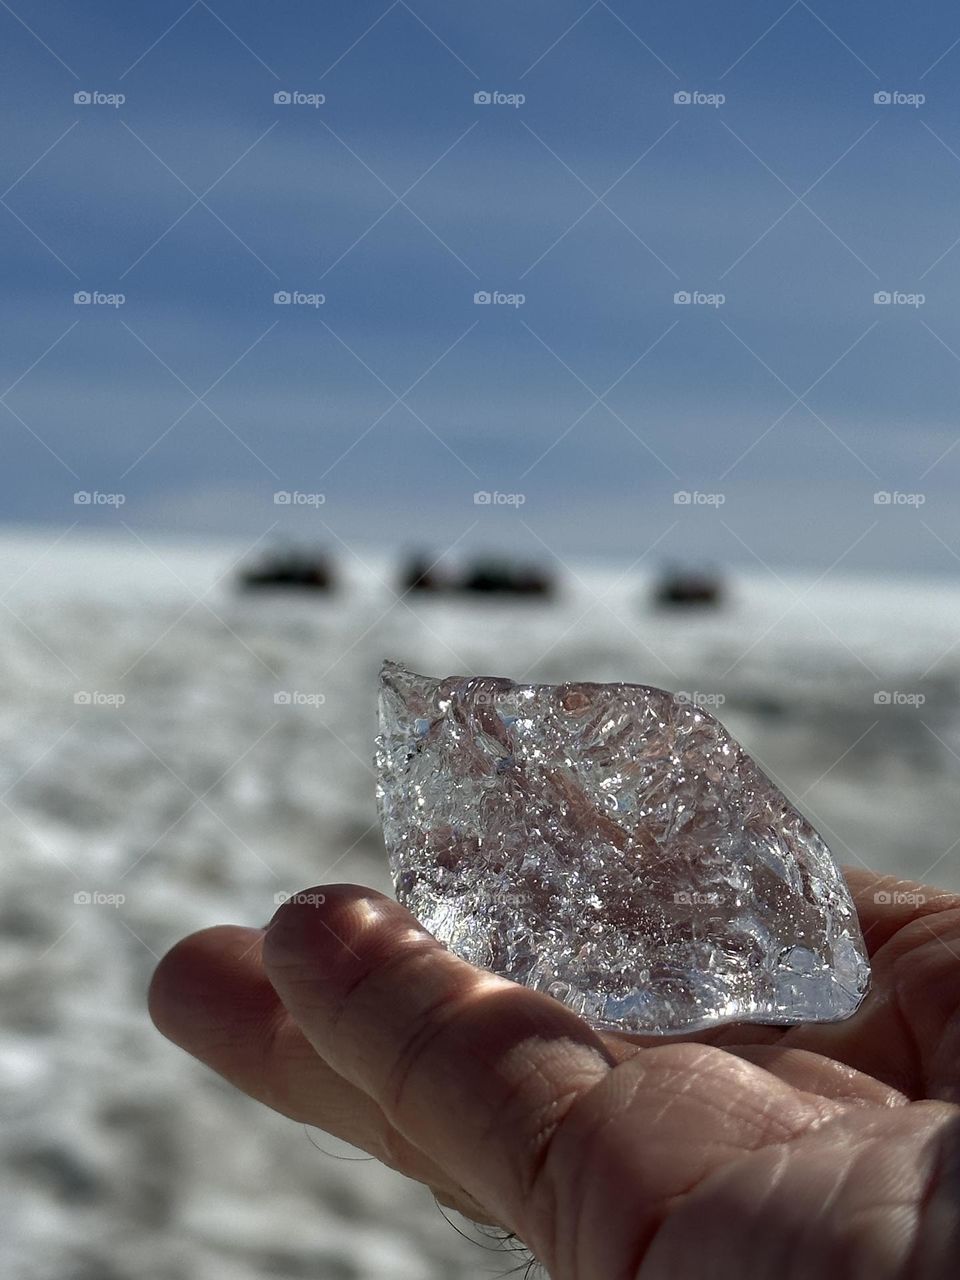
[746, 1151]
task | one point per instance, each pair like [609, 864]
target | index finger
[429, 1037]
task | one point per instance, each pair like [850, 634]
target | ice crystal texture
[613, 846]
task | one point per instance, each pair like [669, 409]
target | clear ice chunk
[613, 846]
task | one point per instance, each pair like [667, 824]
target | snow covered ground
[144, 752]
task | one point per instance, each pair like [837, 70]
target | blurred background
[563, 341]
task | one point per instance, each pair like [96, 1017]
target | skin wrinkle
[647, 1267]
[589, 1142]
[397, 1148]
[560, 1104]
[760, 1121]
[418, 1040]
[517, 1087]
[911, 1086]
[269, 1052]
[819, 1077]
[808, 1235]
[375, 968]
[832, 1194]
[904, 997]
[544, 1186]
[859, 1148]
[657, 1219]
[777, 1148]
[727, 1176]
[669, 1203]
[581, 1166]
[534, 1179]
[942, 1184]
[873, 1224]
[392, 1148]
[533, 1170]
[890, 1226]
[674, 1094]
[380, 1138]
[837, 1082]
[948, 1087]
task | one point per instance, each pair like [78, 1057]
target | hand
[828, 1151]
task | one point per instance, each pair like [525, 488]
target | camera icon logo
[882, 498]
[682, 498]
[482, 498]
[82, 298]
[81, 498]
[881, 698]
[282, 497]
[682, 298]
[682, 98]
[282, 298]
[282, 98]
[482, 98]
[82, 898]
[82, 98]
[882, 298]
[883, 898]
[882, 98]
[482, 298]
[82, 699]
[282, 698]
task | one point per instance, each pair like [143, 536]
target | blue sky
[598, 198]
